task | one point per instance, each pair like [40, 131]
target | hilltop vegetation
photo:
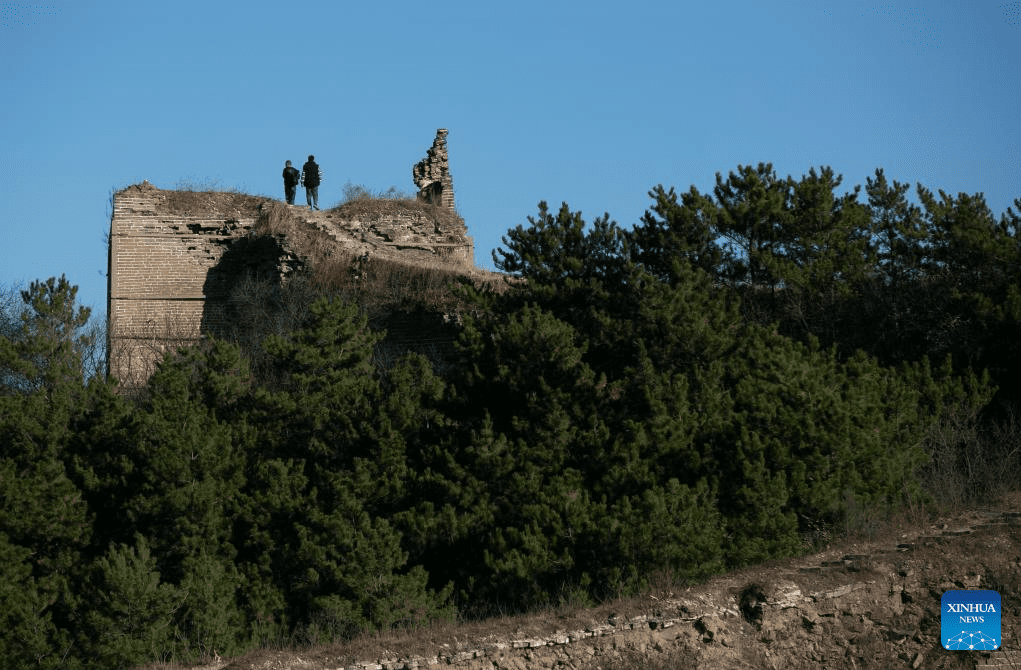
[739, 375]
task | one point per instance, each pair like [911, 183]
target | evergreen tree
[50, 345]
[605, 406]
[978, 262]
[170, 473]
[43, 517]
[329, 462]
[899, 231]
[30, 638]
[678, 230]
[825, 260]
[131, 610]
[753, 218]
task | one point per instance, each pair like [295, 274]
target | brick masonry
[432, 174]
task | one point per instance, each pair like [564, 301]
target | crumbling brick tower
[432, 174]
[176, 258]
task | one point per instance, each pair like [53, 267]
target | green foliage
[899, 232]
[330, 460]
[48, 346]
[670, 527]
[605, 401]
[266, 507]
[328, 384]
[901, 281]
[752, 216]
[174, 471]
[29, 638]
[130, 612]
[558, 249]
[673, 230]
[44, 523]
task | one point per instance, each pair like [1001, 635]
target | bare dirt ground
[869, 603]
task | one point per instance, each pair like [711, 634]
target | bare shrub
[135, 353]
[261, 308]
[1002, 438]
[94, 356]
[360, 203]
[275, 219]
[972, 462]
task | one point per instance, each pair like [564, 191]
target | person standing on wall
[311, 177]
[291, 179]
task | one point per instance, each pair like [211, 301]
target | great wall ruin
[174, 256]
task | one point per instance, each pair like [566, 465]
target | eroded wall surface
[159, 276]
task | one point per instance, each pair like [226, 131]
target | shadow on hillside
[417, 331]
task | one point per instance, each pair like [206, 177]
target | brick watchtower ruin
[176, 257]
[432, 174]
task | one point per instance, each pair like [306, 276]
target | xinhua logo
[970, 620]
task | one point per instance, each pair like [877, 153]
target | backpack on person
[311, 175]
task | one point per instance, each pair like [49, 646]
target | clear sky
[588, 102]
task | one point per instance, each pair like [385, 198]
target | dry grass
[275, 219]
[363, 205]
[210, 198]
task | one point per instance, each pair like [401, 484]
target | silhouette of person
[291, 179]
[311, 177]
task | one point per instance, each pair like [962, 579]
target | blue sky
[592, 103]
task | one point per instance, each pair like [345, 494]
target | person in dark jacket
[291, 179]
[311, 177]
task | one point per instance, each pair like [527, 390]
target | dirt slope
[866, 605]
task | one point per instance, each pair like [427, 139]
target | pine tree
[677, 230]
[174, 471]
[131, 609]
[329, 470]
[43, 517]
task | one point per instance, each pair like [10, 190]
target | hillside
[629, 410]
[870, 603]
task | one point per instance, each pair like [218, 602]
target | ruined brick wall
[174, 258]
[432, 174]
